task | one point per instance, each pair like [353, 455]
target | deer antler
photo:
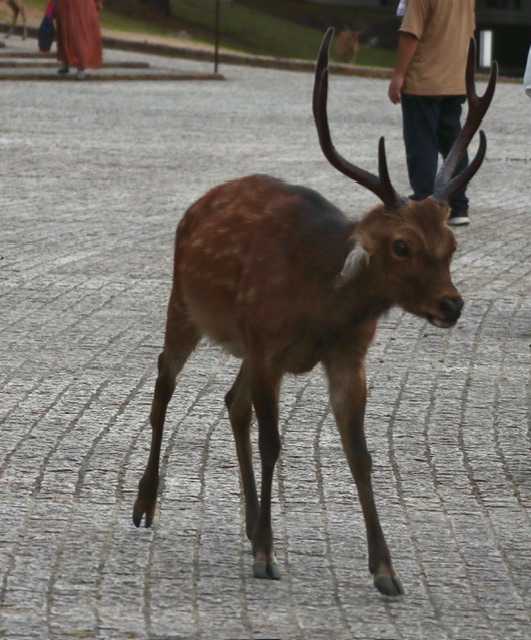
[379, 185]
[445, 184]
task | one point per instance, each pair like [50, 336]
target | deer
[347, 45]
[284, 280]
[17, 7]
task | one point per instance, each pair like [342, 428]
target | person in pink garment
[79, 35]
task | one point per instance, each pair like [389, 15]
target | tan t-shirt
[443, 29]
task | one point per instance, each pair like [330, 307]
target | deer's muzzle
[449, 312]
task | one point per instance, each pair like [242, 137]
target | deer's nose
[451, 307]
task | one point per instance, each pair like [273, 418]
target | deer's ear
[355, 261]
[443, 209]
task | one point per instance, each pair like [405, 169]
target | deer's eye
[400, 249]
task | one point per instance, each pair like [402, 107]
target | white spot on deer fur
[354, 262]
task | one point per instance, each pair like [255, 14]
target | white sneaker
[459, 219]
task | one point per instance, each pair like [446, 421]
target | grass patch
[247, 28]
[129, 16]
[279, 28]
[271, 29]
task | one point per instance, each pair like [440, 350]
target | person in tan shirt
[429, 82]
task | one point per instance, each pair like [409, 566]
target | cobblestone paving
[94, 178]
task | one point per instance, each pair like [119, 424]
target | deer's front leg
[264, 393]
[348, 396]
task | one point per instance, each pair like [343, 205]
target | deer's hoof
[388, 585]
[146, 499]
[140, 509]
[266, 569]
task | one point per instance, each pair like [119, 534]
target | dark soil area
[378, 26]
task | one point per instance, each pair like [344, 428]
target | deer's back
[257, 244]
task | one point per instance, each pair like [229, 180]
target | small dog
[17, 7]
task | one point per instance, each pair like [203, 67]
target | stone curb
[27, 63]
[265, 62]
[120, 77]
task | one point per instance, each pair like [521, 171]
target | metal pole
[216, 43]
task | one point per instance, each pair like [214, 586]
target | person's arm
[407, 45]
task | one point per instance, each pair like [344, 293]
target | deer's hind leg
[265, 387]
[24, 25]
[180, 340]
[15, 11]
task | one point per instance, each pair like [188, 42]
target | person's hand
[395, 88]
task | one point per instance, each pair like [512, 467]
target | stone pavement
[21, 60]
[94, 178]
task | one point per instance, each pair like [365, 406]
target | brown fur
[257, 263]
[247, 271]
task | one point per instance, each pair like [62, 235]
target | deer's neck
[362, 298]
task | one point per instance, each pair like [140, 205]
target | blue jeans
[431, 124]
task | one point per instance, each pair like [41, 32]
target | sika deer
[17, 7]
[284, 280]
[347, 46]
